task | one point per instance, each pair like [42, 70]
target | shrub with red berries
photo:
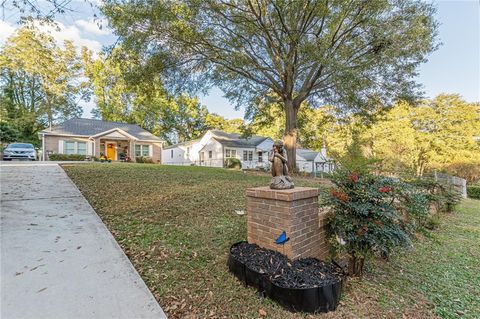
[371, 215]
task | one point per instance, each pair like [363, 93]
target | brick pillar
[269, 212]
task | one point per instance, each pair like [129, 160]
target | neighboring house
[216, 146]
[314, 162]
[95, 138]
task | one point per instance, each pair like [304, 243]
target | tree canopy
[122, 93]
[355, 55]
[40, 81]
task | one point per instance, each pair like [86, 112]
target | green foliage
[8, 133]
[123, 93]
[144, 159]
[40, 82]
[215, 121]
[473, 191]
[66, 157]
[441, 197]
[372, 215]
[355, 160]
[233, 163]
[436, 134]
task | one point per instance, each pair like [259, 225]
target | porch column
[132, 150]
[96, 142]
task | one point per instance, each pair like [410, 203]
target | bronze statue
[280, 179]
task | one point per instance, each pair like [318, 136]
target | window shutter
[89, 148]
[150, 150]
[60, 146]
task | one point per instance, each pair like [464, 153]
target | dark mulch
[300, 273]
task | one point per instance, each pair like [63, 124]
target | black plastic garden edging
[312, 300]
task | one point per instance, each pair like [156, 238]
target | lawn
[177, 223]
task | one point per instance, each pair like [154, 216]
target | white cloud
[93, 27]
[6, 31]
[61, 32]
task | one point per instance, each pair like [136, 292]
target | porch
[116, 150]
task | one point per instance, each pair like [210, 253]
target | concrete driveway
[58, 260]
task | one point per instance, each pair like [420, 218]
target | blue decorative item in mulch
[282, 239]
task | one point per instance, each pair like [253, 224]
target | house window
[82, 148]
[260, 157]
[209, 154]
[142, 150]
[230, 153]
[245, 155]
[69, 147]
[202, 156]
[250, 156]
[72, 147]
[171, 154]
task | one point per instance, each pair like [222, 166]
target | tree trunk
[355, 266]
[290, 139]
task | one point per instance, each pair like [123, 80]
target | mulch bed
[300, 273]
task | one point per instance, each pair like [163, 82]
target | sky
[453, 68]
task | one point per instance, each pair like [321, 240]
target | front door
[111, 151]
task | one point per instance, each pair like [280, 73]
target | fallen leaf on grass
[262, 312]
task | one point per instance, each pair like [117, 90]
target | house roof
[235, 140]
[227, 139]
[307, 154]
[91, 127]
[186, 143]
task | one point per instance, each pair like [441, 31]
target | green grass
[176, 224]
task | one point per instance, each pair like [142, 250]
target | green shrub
[144, 159]
[371, 215]
[66, 157]
[233, 163]
[441, 196]
[473, 191]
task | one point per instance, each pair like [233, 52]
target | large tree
[40, 81]
[352, 54]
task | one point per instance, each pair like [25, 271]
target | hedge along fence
[473, 191]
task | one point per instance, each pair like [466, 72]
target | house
[314, 162]
[216, 146]
[92, 137]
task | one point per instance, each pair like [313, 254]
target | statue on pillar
[280, 179]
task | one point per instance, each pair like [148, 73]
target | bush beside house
[144, 159]
[66, 157]
[233, 163]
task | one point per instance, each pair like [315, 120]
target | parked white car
[19, 151]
